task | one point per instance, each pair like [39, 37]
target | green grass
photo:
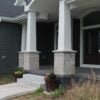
[38, 92]
[58, 92]
[86, 91]
[6, 78]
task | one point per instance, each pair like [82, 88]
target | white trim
[91, 27]
[70, 1]
[13, 20]
[55, 36]
[20, 3]
[81, 42]
[89, 66]
[28, 7]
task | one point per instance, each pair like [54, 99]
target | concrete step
[33, 77]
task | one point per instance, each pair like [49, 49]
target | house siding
[10, 38]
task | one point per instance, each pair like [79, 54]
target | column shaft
[29, 59]
[64, 57]
[64, 36]
[23, 37]
[31, 32]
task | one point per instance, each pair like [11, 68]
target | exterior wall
[10, 38]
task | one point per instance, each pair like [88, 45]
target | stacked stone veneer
[64, 63]
[29, 61]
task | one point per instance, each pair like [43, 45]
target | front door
[91, 46]
[45, 42]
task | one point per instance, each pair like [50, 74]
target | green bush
[19, 71]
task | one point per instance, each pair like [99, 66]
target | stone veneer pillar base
[64, 63]
[29, 61]
[64, 66]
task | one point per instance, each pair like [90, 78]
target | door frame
[82, 28]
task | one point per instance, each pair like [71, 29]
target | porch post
[23, 46]
[64, 57]
[31, 32]
[23, 37]
[31, 55]
[64, 37]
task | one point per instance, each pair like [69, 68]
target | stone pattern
[64, 63]
[29, 61]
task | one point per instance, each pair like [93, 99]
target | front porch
[81, 73]
[66, 40]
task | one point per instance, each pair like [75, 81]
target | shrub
[19, 71]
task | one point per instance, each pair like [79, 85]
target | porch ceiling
[51, 7]
[81, 7]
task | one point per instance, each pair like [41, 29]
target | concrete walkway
[15, 89]
[20, 88]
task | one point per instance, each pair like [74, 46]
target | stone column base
[29, 61]
[64, 63]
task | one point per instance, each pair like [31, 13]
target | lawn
[6, 78]
[86, 91]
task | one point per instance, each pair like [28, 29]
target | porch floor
[81, 72]
[44, 70]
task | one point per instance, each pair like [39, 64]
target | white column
[23, 39]
[31, 32]
[64, 35]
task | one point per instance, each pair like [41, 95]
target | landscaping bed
[6, 79]
[86, 91]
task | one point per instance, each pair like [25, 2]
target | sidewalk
[15, 89]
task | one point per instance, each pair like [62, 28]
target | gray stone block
[64, 63]
[29, 61]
